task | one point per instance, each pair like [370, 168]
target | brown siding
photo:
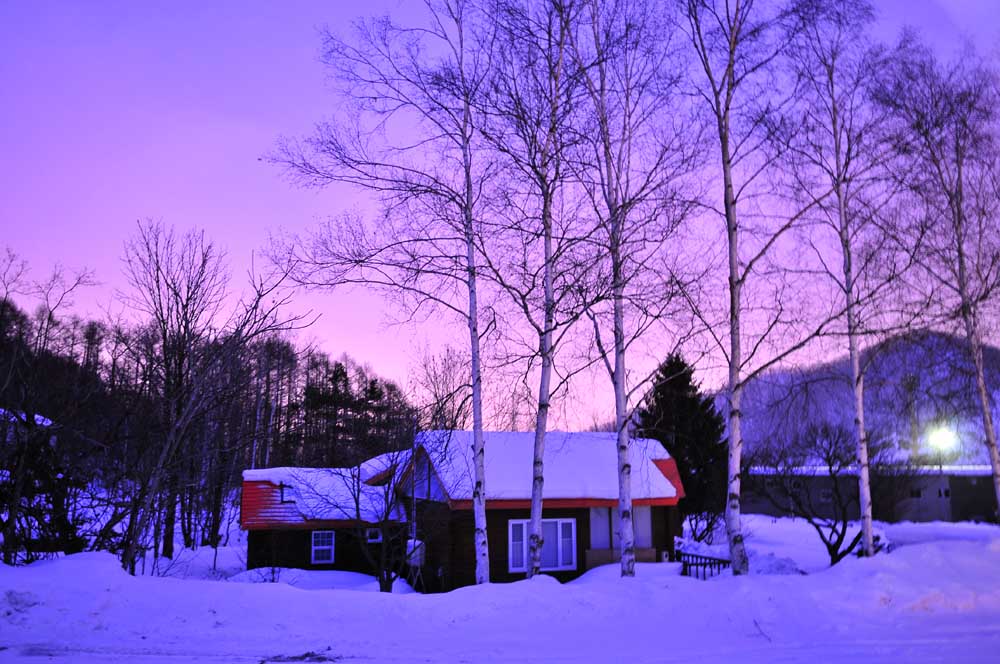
[448, 536]
[666, 526]
[434, 530]
[462, 568]
[293, 548]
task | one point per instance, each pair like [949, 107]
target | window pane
[566, 543]
[550, 544]
[517, 556]
[517, 546]
[323, 538]
[323, 555]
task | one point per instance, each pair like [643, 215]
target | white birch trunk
[864, 481]
[613, 177]
[858, 385]
[969, 318]
[985, 403]
[734, 529]
[857, 376]
[478, 443]
[535, 540]
[626, 531]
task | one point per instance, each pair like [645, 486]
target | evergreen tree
[687, 424]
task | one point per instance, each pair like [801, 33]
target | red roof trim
[669, 469]
[556, 503]
[261, 508]
[325, 524]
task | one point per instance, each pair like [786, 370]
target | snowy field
[935, 598]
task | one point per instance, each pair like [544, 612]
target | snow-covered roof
[965, 470]
[578, 465]
[331, 493]
[381, 465]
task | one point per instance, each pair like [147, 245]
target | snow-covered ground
[318, 580]
[935, 598]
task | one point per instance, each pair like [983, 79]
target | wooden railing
[701, 567]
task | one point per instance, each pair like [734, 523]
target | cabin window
[558, 545]
[322, 547]
[373, 535]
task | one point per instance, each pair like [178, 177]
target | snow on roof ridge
[923, 469]
[572, 471]
[327, 493]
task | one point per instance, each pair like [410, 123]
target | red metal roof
[669, 469]
[261, 507]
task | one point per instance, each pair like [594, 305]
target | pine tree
[687, 424]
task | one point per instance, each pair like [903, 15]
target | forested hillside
[913, 384]
[119, 433]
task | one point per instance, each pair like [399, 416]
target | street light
[942, 439]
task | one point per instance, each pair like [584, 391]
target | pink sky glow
[115, 111]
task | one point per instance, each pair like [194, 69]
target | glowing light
[942, 439]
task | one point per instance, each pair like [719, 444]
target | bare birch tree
[836, 139]
[631, 168]
[737, 44]
[948, 122]
[530, 108]
[413, 143]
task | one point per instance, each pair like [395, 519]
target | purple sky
[114, 111]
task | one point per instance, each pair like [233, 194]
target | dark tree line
[131, 435]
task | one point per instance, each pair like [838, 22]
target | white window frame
[332, 548]
[373, 535]
[563, 566]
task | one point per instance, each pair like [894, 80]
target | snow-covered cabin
[322, 518]
[433, 491]
[579, 527]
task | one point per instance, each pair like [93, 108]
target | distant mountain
[914, 384]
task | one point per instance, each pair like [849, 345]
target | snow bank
[317, 579]
[936, 598]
